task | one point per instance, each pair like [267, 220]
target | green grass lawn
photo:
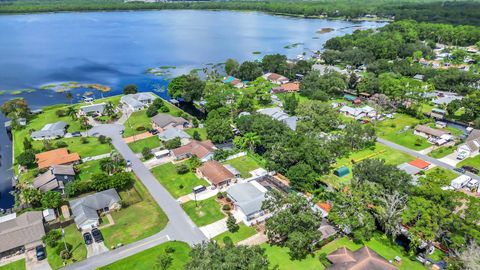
[136, 120]
[244, 165]
[140, 218]
[279, 256]
[72, 237]
[442, 151]
[150, 142]
[393, 130]
[471, 161]
[177, 184]
[92, 148]
[146, 260]
[87, 169]
[380, 151]
[201, 131]
[442, 173]
[243, 233]
[208, 211]
[16, 265]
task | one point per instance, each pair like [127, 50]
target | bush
[173, 143]
[103, 139]
[26, 158]
[182, 169]
[61, 249]
[130, 89]
[232, 224]
[84, 140]
[52, 237]
[61, 144]
[169, 250]
[226, 207]
[147, 153]
[227, 241]
[60, 113]
[151, 111]
[65, 254]
[195, 122]
[164, 109]
[220, 195]
[140, 128]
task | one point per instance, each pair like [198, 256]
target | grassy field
[16, 265]
[244, 165]
[177, 184]
[201, 131]
[150, 142]
[208, 211]
[380, 151]
[142, 218]
[393, 130]
[87, 169]
[243, 233]
[79, 251]
[136, 120]
[92, 148]
[442, 151]
[279, 256]
[146, 259]
[471, 161]
[438, 177]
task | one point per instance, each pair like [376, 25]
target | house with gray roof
[172, 133]
[163, 121]
[472, 143]
[324, 69]
[55, 178]
[95, 109]
[21, 232]
[247, 199]
[138, 101]
[50, 131]
[279, 115]
[86, 209]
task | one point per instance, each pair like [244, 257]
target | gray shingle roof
[24, 229]
[278, 114]
[172, 133]
[162, 120]
[93, 108]
[85, 208]
[247, 197]
[137, 100]
[56, 129]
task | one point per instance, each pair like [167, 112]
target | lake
[116, 48]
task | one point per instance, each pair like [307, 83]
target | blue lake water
[116, 48]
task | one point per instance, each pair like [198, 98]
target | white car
[462, 155]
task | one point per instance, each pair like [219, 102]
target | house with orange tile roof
[275, 78]
[420, 163]
[215, 173]
[324, 207]
[58, 156]
[290, 87]
[361, 259]
[202, 149]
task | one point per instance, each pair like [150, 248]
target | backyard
[244, 165]
[147, 259]
[75, 145]
[75, 239]
[207, 211]
[16, 265]
[137, 123]
[150, 142]
[87, 169]
[201, 131]
[177, 184]
[442, 151]
[243, 233]
[471, 161]
[400, 131]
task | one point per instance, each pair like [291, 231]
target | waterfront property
[54, 178]
[19, 233]
[163, 121]
[275, 78]
[93, 109]
[58, 156]
[137, 102]
[50, 131]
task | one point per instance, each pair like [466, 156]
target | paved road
[424, 157]
[180, 227]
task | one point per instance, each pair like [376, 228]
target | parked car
[129, 163]
[76, 134]
[97, 235]
[462, 155]
[153, 131]
[460, 170]
[40, 253]
[470, 169]
[87, 237]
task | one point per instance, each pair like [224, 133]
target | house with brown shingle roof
[361, 259]
[472, 143]
[163, 121]
[275, 78]
[58, 156]
[55, 178]
[215, 173]
[290, 87]
[21, 232]
[202, 149]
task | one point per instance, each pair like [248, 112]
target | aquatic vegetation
[66, 86]
[294, 45]
[160, 71]
[325, 30]
[256, 52]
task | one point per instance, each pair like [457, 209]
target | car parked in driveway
[87, 237]
[460, 170]
[97, 235]
[40, 253]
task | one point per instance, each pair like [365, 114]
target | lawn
[150, 142]
[394, 131]
[87, 169]
[146, 259]
[201, 131]
[177, 184]
[243, 233]
[16, 265]
[140, 217]
[279, 256]
[92, 148]
[441, 173]
[137, 120]
[471, 161]
[207, 212]
[72, 237]
[244, 165]
[442, 151]
[380, 151]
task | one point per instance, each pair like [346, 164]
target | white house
[138, 101]
[275, 78]
[472, 143]
[96, 109]
[247, 199]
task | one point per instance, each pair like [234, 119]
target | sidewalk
[138, 137]
[254, 240]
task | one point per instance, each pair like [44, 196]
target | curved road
[180, 227]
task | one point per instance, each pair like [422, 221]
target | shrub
[147, 153]
[220, 195]
[84, 140]
[60, 113]
[169, 250]
[130, 89]
[151, 111]
[232, 224]
[393, 125]
[227, 241]
[140, 128]
[164, 109]
[173, 143]
[182, 169]
[61, 144]
[65, 254]
[195, 122]
[226, 207]
[26, 158]
[196, 136]
[102, 139]
[52, 237]
[61, 249]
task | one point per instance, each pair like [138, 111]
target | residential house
[50, 131]
[279, 115]
[359, 112]
[472, 143]
[420, 163]
[55, 178]
[172, 133]
[138, 101]
[215, 173]
[445, 99]
[19, 233]
[86, 209]
[163, 121]
[361, 259]
[409, 169]
[460, 182]
[436, 136]
[247, 199]
[324, 208]
[275, 78]
[93, 109]
[290, 87]
[58, 156]
[324, 69]
[202, 149]
[235, 82]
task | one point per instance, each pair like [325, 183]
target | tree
[100, 181]
[164, 261]
[151, 111]
[51, 199]
[173, 143]
[69, 96]
[196, 135]
[27, 144]
[290, 104]
[147, 153]
[107, 166]
[470, 257]
[209, 255]
[231, 66]
[121, 180]
[193, 163]
[302, 177]
[321, 87]
[189, 87]
[250, 140]
[388, 212]
[84, 122]
[31, 196]
[217, 127]
[275, 63]
[375, 171]
[317, 117]
[15, 108]
[249, 71]
[71, 112]
[232, 224]
[27, 158]
[130, 89]
[51, 238]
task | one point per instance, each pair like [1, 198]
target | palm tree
[250, 139]
[107, 166]
[71, 112]
[84, 122]
[109, 109]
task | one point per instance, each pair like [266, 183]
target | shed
[342, 171]
[349, 97]
[49, 215]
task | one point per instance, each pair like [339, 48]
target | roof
[431, 131]
[247, 196]
[24, 229]
[172, 133]
[473, 140]
[163, 119]
[325, 206]
[361, 259]
[56, 129]
[326, 68]
[419, 163]
[48, 180]
[63, 170]
[198, 148]
[93, 108]
[409, 169]
[232, 169]
[137, 100]
[85, 208]
[291, 86]
[58, 156]
[445, 100]
[275, 77]
[215, 172]
[279, 115]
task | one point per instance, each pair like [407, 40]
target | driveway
[33, 264]
[214, 229]
[96, 249]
